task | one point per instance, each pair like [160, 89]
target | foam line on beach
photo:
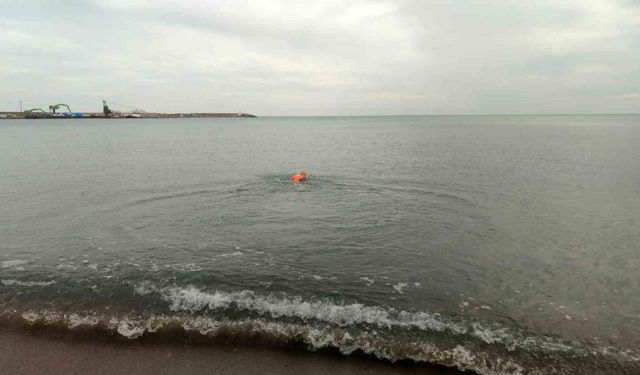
[192, 299]
[464, 356]
[379, 342]
[282, 319]
[278, 306]
[280, 333]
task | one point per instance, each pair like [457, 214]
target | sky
[326, 57]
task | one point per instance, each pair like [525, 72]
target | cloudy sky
[324, 57]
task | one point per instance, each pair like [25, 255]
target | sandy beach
[27, 352]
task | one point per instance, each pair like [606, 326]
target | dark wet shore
[34, 352]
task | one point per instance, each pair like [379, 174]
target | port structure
[36, 113]
[53, 108]
[105, 109]
[107, 112]
[32, 110]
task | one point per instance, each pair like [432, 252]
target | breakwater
[89, 115]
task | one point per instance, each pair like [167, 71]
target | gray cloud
[324, 58]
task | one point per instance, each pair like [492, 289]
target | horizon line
[473, 114]
[415, 115]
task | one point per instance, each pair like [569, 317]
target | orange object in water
[300, 176]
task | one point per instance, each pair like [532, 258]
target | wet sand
[27, 352]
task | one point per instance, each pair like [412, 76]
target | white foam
[127, 328]
[67, 267]
[76, 320]
[192, 299]
[316, 277]
[398, 287]
[370, 341]
[30, 317]
[144, 288]
[368, 280]
[315, 337]
[491, 336]
[13, 282]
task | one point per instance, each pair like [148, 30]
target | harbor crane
[108, 112]
[54, 108]
[105, 109]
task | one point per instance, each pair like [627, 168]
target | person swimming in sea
[299, 177]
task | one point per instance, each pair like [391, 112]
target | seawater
[500, 244]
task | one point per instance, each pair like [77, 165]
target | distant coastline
[97, 115]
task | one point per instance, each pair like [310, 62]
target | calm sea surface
[493, 243]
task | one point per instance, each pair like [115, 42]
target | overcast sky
[324, 57]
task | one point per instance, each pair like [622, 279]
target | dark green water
[501, 244]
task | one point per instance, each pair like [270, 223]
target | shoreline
[32, 351]
[95, 115]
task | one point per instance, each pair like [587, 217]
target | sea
[496, 244]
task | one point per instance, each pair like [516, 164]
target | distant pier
[107, 113]
[87, 115]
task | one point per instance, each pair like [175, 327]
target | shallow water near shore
[499, 244]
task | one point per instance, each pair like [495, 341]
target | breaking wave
[384, 332]
[280, 333]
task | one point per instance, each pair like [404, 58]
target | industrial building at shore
[107, 113]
